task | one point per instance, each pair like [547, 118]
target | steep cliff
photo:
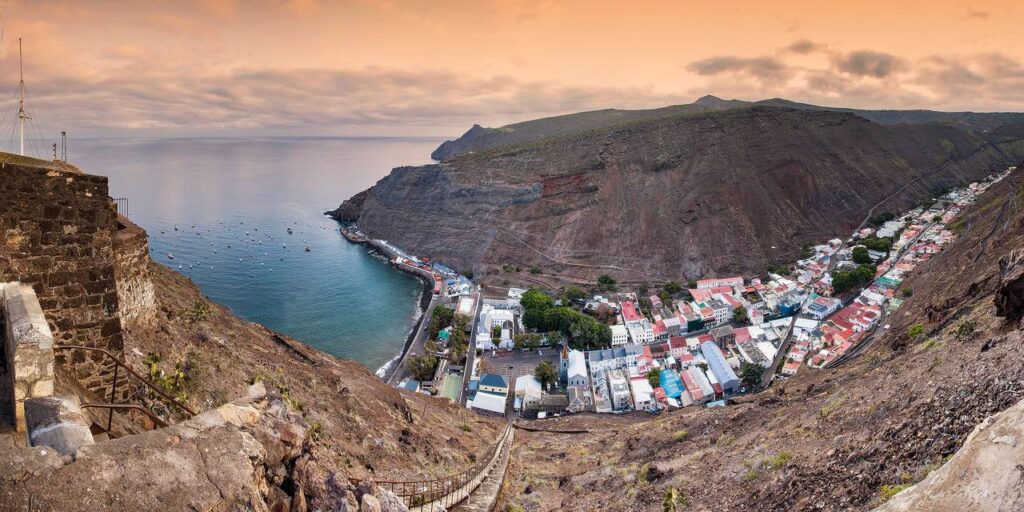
[842, 439]
[673, 197]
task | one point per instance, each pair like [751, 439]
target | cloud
[768, 70]
[804, 47]
[868, 63]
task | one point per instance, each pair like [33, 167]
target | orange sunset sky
[390, 67]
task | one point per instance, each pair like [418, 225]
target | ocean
[222, 207]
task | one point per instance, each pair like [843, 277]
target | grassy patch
[751, 475]
[779, 460]
[888, 491]
[680, 436]
[830, 407]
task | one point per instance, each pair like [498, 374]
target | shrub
[779, 460]
[673, 500]
[680, 436]
[915, 330]
[751, 475]
[199, 312]
[535, 270]
[831, 406]
[888, 491]
[965, 330]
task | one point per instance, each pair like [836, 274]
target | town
[531, 354]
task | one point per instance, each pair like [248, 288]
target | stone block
[57, 422]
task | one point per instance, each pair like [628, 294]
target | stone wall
[135, 294]
[58, 227]
[28, 336]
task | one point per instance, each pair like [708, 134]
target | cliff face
[842, 439]
[669, 198]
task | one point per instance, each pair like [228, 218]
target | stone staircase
[484, 498]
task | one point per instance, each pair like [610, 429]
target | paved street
[400, 371]
[471, 351]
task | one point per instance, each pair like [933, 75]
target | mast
[22, 116]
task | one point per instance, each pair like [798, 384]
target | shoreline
[387, 371]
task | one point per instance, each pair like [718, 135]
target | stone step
[485, 497]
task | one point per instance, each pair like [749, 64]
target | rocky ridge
[677, 197]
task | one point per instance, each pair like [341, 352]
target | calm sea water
[232, 201]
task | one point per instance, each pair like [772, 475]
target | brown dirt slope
[841, 439]
[671, 198]
[360, 426]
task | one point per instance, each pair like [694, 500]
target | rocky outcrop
[242, 455]
[984, 475]
[674, 197]
[350, 209]
[1010, 295]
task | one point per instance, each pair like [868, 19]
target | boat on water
[307, 248]
[170, 256]
[289, 231]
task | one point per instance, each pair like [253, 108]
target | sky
[433, 68]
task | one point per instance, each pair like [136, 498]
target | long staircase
[475, 489]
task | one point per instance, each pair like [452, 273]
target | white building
[618, 388]
[620, 336]
[641, 332]
[489, 318]
[715, 282]
[643, 393]
[528, 392]
[576, 375]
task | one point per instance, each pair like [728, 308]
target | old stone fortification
[58, 228]
[135, 295]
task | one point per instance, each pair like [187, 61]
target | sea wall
[58, 226]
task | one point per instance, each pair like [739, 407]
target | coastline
[387, 371]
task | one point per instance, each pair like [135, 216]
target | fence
[122, 205]
[443, 493]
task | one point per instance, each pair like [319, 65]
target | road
[400, 371]
[780, 356]
[471, 350]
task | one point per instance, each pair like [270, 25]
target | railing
[122, 205]
[446, 492]
[113, 405]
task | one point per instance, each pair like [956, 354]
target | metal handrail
[156, 419]
[442, 492]
[120, 364]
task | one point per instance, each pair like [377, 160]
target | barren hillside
[676, 197]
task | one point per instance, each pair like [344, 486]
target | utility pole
[64, 146]
[54, 151]
[22, 116]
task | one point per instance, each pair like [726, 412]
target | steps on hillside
[484, 497]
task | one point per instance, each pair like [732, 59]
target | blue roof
[493, 380]
[671, 383]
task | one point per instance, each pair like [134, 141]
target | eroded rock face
[984, 475]
[238, 456]
[1010, 295]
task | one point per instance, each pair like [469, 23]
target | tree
[740, 315]
[440, 317]
[422, 367]
[496, 331]
[861, 256]
[572, 294]
[665, 296]
[654, 377]
[606, 283]
[545, 373]
[536, 300]
[672, 287]
[751, 374]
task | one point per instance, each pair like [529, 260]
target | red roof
[686, 357]
[629, 312]
[742, 334]
[705, 337]
[677, 342]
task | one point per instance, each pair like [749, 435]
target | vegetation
[874, 243]
[844, 281]
[965, 331]
[573, 293]
[888, 491]
[422, 367]
[833, 405]
[545, 372]
[527, 340]
[881, 218]
[672, 287]
[674, 500]
[781, 270]
[805, 251]
[778, 460]
[199, 312]
[654, 377]
[606, 283]
[584, 332]
[908, 292]
[740, 315]
[915, 330]
[861, 256]
[750, 374]
[440, 317]
[680, 436]
[173, 383]
[535, 270]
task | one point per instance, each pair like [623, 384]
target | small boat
[170, 256]
[307, 248]
[289, 231]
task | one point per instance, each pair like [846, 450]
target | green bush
[915, 330]
[680, 436]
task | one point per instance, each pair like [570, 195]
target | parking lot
[512, 365]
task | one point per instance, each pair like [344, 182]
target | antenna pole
[22, 116]
[64, 146]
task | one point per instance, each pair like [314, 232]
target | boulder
[1009, 297]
